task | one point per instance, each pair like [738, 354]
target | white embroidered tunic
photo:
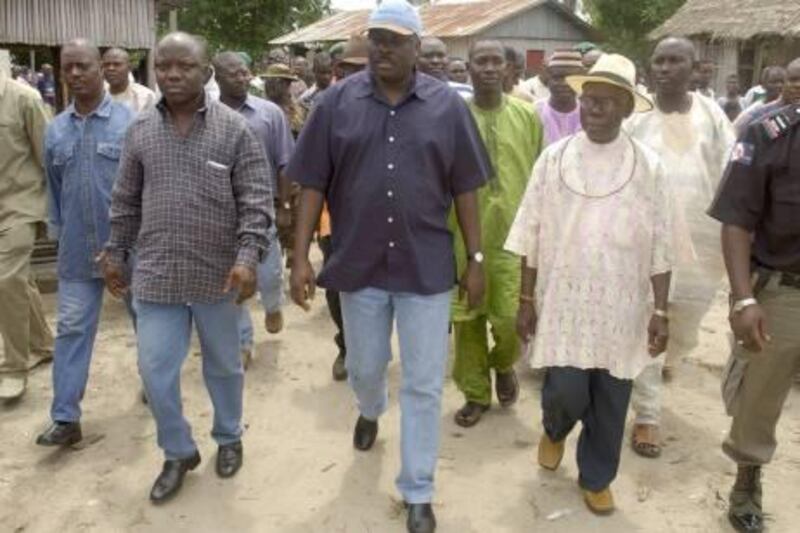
[596, 222]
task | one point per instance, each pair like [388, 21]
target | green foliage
[245, 25]
[626, 23]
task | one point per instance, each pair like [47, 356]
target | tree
[626, 23]
[246, 25]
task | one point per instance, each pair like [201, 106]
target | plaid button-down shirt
[191, 207]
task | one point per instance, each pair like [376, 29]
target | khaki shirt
[23, 119]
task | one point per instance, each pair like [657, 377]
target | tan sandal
[645, 440]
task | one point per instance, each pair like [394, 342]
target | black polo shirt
[389, 174]
[761, 189]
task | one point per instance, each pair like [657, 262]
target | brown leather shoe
[550, 453]
[507, 387]
[274, 322]
[601, 502]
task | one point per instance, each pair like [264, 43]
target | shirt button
[390, 194]
[391, 244]
[390, 166]
[390, 220]
[392, 113]
[391, 139]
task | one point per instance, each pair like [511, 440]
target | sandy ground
[301, 473]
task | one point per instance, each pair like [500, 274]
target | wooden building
[537, 27]
[739, 36]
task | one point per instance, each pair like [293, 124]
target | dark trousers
[332, 297]
[600, 402]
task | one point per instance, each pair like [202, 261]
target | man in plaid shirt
[191, 197]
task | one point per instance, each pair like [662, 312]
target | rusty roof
[442, 20]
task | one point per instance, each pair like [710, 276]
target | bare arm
[472, 282]
[736, 244]
[302, 279]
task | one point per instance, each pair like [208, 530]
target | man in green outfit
[512, 134]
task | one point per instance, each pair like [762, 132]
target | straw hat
[355, 51]
[616, 70]
[279, 70]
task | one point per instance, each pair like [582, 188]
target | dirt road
[301, 473]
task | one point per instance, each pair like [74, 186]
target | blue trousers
[79, 304]
[270, 287]
[600, 402]
[163, 333]
[422, 322]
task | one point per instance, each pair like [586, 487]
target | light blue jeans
[369, 316]
[79, 304]
[270, 287]
[163, 333]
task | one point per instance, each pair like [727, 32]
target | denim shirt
[81, 160]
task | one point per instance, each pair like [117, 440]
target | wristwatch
[477, 257]
[741, 305]
[287, 205]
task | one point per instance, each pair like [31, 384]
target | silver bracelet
[740, 305]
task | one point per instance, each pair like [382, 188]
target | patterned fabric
[81, 160]
[596, 222]
[191, 206]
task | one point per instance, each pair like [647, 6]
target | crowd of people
[572, 219]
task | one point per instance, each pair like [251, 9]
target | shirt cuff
[249, 256]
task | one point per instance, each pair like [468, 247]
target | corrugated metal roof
[442, 20]
[127, 23]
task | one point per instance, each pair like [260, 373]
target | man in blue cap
[391, 149]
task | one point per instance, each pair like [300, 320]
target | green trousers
[474, 360]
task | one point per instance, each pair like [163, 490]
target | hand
[750, 328]
[302, 282]
[113, 275]
[242, 279]
[526, 321]
[657, 335]
[472, 283]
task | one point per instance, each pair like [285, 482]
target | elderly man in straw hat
[595, 230]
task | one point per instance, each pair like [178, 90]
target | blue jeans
[79, 304]
[164, 332]
[270, 287]
[422, 321]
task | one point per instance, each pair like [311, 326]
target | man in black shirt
[758, 204]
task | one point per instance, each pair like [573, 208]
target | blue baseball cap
[397, 16]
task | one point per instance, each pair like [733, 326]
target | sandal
[644, 440]
[507, 387]
[470, 414]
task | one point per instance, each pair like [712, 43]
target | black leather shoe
[61, 434]
[170, 480]
[365, 434]
[229, 459]
[420, 518]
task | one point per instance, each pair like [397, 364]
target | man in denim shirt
[82, 148]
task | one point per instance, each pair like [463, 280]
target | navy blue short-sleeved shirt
[389, 174]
